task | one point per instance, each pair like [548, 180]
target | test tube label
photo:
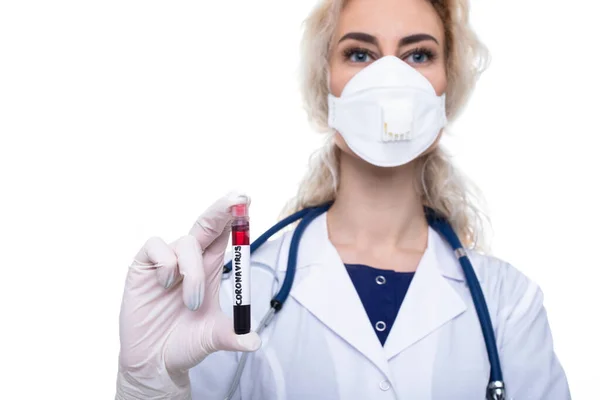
[241, 275]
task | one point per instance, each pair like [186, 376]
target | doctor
[379, 308]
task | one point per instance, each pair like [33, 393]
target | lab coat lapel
[430, 301]
[327, 291]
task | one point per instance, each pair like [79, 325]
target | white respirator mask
[388, 113]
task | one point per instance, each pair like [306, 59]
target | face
[370, 29]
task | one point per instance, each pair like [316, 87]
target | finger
[213, 266]
[189, 259]
[158, 254]
[215, 253]
[213, 221]
[167, 277]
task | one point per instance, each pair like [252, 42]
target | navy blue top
[381, 292]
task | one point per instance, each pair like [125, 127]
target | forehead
[390, 19]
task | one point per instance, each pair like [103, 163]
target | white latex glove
[170, 316]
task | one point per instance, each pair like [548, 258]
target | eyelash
[431, 56]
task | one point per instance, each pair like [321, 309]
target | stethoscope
[495, 389]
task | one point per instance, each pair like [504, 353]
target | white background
[120, 120]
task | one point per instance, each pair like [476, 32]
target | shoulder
[496, 272]
[512, 294]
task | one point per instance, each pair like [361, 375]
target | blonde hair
[440, 184]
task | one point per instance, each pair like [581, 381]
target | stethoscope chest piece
[495, 391]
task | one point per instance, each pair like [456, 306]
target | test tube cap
[239, 210]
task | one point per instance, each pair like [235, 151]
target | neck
[377, 208]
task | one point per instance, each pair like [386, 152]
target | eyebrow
[365, 37]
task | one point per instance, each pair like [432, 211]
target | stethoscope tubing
[439, 224]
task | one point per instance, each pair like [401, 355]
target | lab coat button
[380, 326]
[384, 385]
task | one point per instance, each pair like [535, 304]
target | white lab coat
[323, 346]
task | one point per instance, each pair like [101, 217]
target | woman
[379, 308]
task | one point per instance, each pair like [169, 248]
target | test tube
[240, 240]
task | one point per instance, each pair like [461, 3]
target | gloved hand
[170, 316]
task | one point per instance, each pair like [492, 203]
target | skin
[377, 218]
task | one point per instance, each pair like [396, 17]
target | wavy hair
[439, 183]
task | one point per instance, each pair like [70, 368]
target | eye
[358, 55]
[420, 56]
